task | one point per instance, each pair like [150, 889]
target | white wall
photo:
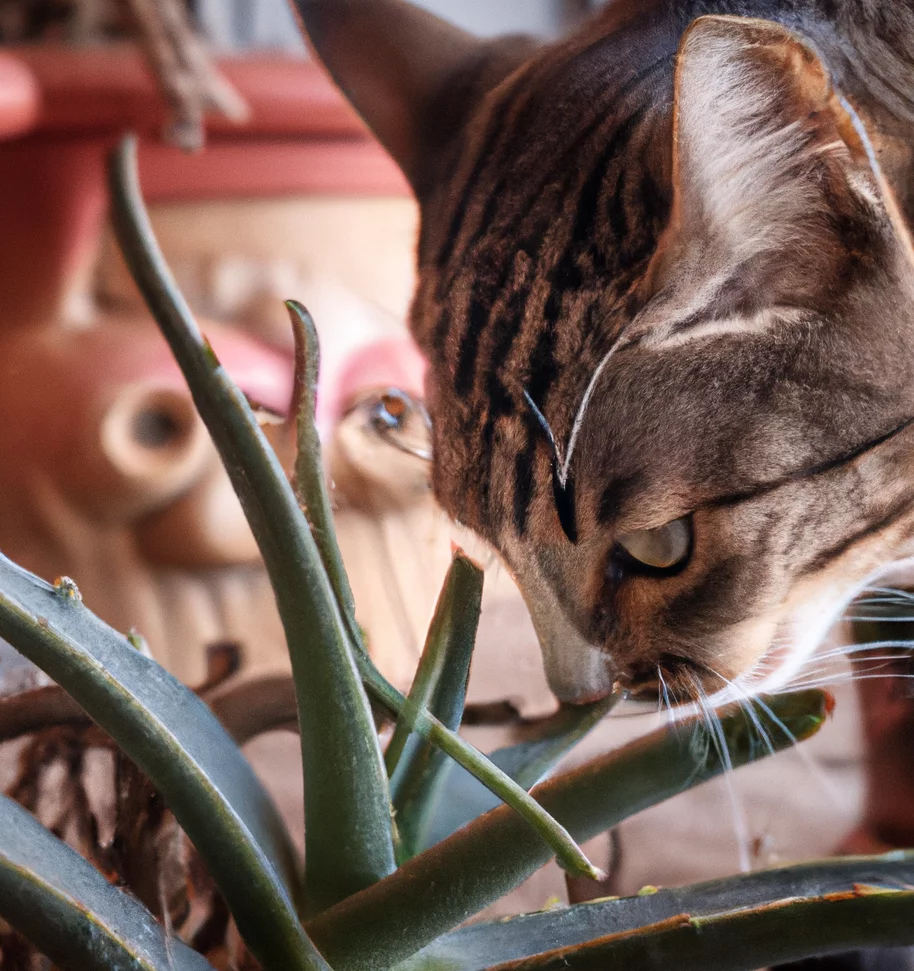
[501, 16]
[233, 24]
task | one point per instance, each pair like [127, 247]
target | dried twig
[190, 82]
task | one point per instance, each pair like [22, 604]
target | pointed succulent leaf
[567, 852]
[349, 812]
[487, 859]
[310, 482]
[741, 940]
[463, 798]
[478, 947]
[178, 743]
[70, 913]
[440, 685]
[348, 839]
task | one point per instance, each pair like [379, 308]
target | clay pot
[72, 105]
[108, 476]
[106, 472]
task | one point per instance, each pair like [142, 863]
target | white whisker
[714, 729]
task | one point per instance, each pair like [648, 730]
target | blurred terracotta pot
[108, 475]
[69, 106]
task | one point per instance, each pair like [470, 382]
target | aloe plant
[392, 868]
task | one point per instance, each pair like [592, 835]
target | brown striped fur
[689, 185]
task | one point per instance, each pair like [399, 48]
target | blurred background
[237, 23]
[106, 474]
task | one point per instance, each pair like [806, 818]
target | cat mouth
[672, 679]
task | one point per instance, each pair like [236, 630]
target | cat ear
[413, 77]
[762, 143]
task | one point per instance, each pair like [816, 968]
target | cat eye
[663, 548]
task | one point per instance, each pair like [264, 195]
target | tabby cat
[666, 293]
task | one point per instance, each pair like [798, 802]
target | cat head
[667, 299]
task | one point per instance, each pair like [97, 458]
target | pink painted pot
[106, 473]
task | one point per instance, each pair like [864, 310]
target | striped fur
[675, 218]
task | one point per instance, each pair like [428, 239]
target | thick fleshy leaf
[744, 940]
[178, 743]
[309, 483]
[417, 767]
[479, 946]
[71, 914]
[463, 798]
[439, 889]
[349, 812]
[567, 852]
[348, 839]
[310, 486]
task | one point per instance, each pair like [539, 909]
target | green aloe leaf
[311, 489]
[553, 834]
[445, 885]
[417, 767]
[463, 798]
[787, 930]
[177, 741]
[67, 909]
[478, 947]
[348, 839]
[348, 813]
[309, 483]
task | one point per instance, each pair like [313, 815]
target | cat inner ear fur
[766, 160]
[414, 78]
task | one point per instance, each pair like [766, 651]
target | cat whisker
[826, 676]
[746, 704]
[716, 733]
[749, 704]
[665, 696]
[892, 592]
[899, 647]
[847, 678]
[896, 619]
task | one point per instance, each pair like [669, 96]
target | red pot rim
[301, 136]
[97, 90]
